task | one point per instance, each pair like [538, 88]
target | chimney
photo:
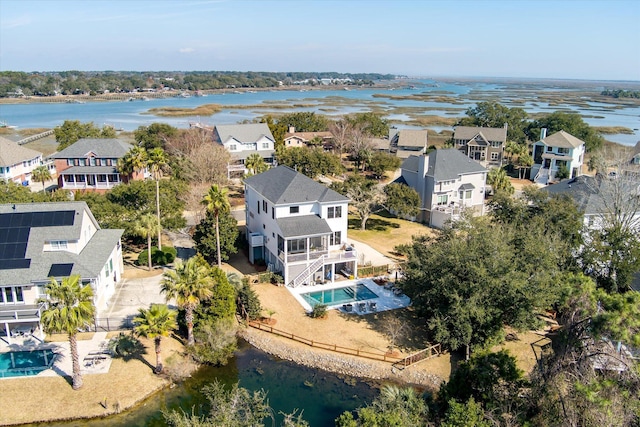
[543, 133]
[292, 129]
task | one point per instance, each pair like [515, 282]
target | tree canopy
[72, 130]
[495, 115]
[569, 122]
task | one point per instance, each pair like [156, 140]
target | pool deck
[386, 300]
[94, 359]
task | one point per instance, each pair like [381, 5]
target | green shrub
[248, 302]
[158, 257]
[318, 311]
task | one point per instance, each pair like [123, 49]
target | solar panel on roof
[60, 270]
[5, 220]
[15, 263]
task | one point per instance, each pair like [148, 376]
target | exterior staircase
[307, 272]
[542, 177]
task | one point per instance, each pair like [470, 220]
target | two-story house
[43, 240]
[484, 145]
[407, 142]
[298, 227]
[17, 162]
[91, 165]
[447, 182]
[560, 150]
[242, 141]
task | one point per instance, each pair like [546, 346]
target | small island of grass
[202, 110]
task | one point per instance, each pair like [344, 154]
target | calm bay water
[238, 107]
[323, 397]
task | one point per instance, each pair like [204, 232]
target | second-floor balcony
[340, 255]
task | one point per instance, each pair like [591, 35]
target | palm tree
[41, 174]
[134, 161]
[255, 164]
[156, 161]
[499, 181]
[156, 322]
[69, 308]
[217, 202]
[190, 283]
[146, 226]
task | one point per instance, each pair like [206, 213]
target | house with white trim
[407, 142]
[552, 152]
[90, 164]
[243, 140]
[482, 144]
[17, 162]
[448, 182]
[298, 227]
[39, 241]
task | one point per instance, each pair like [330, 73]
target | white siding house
[552, 152]
[243, 140]
[447, 182]
[17, 162]
[43, 240]
[298, 227]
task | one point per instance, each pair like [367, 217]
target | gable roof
[590, 192]
[308, 136]
[12, 153]
[283, 185]
[412, 138]
[244, 133]
[25, 229]
[562, 139]
[490, 134]
[448, 164]
[101, 147]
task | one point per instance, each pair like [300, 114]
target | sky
[562, 39]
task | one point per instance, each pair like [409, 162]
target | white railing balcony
[20, 313]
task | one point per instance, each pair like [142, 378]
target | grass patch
[202, 110]
[81, 336]
[384, 232]
[613, 130]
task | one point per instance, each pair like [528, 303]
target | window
[233, 147]
[334, 212]
[8, 295]
[258, 207]
[265, 207]
[19, 296]
[265, 145]
[549, 149]
[496, 144]
[102, 178]
[58, 245]
[494, 156]
[273, 212]
[294, 209]
[465, 194]
[82, 162]
[92, 161]
[443, 200]
[563, 151]
[335, 238]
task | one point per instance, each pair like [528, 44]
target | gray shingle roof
[448, 164]
[562, 139]
[490, 134]
[105, 148]
[12, 153]
[303, 225]
[88, 263]
[89, 169]
[412, 138]
[283, 185]
[243, 133]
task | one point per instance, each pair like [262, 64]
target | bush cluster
[158, 257]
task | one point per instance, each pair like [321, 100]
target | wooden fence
[331, 347]
[427, 353]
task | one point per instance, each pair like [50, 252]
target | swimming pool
[358, 292]
[25, 363]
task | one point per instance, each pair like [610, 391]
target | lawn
[384, 232]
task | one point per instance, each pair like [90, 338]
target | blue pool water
[25, 363]
[358, 292]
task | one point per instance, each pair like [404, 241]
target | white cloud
[187, 50]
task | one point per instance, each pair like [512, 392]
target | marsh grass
[202, 110]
